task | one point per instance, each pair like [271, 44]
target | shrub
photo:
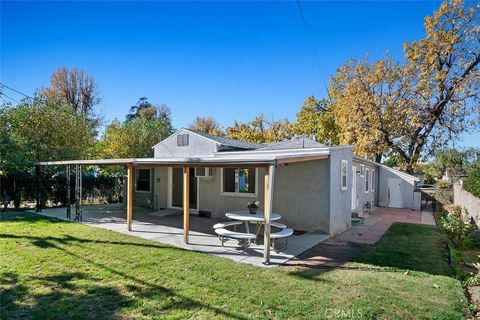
[444, 192]
[472, 182]
[444, 185]
[457, 229]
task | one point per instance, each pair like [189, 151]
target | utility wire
[312, 45]
[15, 90]
[3, 94]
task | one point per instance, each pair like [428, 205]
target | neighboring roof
[397, 172]
[298, 143]
[227, 141]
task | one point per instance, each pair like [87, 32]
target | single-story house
[313, 186]
[317, 195]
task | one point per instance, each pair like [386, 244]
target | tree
[413, 108]
[135, 137]
[259, 130]
[74, 88]
[147, 110]
[39, 130]
[316, 118]
[207, 125]
[458, 162]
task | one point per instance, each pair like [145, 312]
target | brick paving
[374, 227]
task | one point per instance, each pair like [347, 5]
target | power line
[312, 45]
[15, 90]
[3, 94]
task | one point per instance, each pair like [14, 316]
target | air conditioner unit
[203, 172]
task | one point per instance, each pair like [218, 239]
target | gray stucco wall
[301, 195]
[340, 200]
[407, 188]
[362, 196]
[211, 199]
[467, 201]
[198, 146]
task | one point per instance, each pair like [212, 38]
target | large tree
[73, 87]
[137, 134]
[411, 108]
[207, 125]
[316, 119]
[259, 130]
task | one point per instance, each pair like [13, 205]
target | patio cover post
[268, 181]
[186, 203]
[78, 192]
[129, 196]
[38, 196]
[69, 202]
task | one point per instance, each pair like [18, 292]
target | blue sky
[231, 60]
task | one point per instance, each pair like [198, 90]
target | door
[394, 193]
[177, 188]
[354, 188]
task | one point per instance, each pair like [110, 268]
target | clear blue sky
[231, 60]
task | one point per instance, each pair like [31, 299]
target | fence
[466, 200]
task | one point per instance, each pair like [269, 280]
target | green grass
[59, 270]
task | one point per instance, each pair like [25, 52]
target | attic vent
[182, 140]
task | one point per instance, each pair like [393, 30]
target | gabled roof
[224, 141]
[299, 143]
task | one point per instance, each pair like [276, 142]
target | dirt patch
[474, 295]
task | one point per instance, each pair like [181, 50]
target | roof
[227, 141]
[397, 172]
[259, 159]
[298, 143]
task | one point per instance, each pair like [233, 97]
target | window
[362, 170]
[366, 180]
[142, 182]
[343, 177]
[372, 181]
[237, 181]
[182, 140]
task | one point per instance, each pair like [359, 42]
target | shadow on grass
[404, 247]
[79, 295]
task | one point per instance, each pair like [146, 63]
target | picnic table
[258, 218]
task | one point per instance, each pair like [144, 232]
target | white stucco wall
[407, 188]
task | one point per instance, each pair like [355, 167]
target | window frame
[362, 170]
[137, 175]
[182, 136]
[367, 180]
[237, 193]
[372, 180]
[342, 163]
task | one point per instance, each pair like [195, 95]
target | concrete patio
[166, 226]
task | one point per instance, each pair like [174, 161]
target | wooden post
[129, 196]
[186, 203]
[268, 202]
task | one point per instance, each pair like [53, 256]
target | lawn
[59, 270]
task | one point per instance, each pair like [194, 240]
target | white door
[354, 188]
[394, 193]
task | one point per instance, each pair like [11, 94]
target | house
[316, 193]
[314, 187]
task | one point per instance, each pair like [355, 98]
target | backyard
[57, 270]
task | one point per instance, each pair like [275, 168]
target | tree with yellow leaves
[409, 109]
[259, 130]
[207, 125]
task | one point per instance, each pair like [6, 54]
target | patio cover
[254, 159]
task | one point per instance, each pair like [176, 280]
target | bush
[472, 182]
[457, 229]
